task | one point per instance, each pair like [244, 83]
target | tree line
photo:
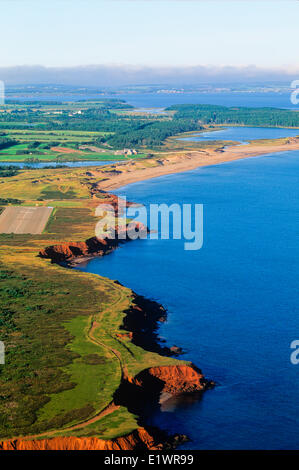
[259, 117]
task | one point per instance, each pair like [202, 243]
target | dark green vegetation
[52, 375]
[260, 117]
[35, 339]
[86, 130]
[9, 200]
[57, 374]
[106, 103]
[100, 130]
[111, 124]
[6, 171]
[150, 134]
[6, 142]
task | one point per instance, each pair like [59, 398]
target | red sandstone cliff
[66, 252]
[139, 439]
[175, 380]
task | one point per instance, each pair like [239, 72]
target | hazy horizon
[109, 76]
[100, 42]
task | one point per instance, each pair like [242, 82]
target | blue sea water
[240, 134]
[38, 165]
[243, 134]
[233, 305]
[251, 100]
[162, 100]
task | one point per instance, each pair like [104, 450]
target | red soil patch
[65, 150]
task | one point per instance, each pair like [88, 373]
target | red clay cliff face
[176, 380]
[156, 385]
[149, 384]
[67, 252]
[139, 439]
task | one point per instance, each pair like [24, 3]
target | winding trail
[94, 325]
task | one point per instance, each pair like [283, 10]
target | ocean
[162, 100]
[232, 305]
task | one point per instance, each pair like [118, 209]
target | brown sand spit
[150, 384]
[184, 161]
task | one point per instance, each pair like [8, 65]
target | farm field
[58, 146]
[51, 146]
[60, 325]
[24, 219]
[67, 344]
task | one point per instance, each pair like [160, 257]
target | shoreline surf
[184, 161]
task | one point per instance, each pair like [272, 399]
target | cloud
[121, 75]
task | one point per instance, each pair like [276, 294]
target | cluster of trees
[6, 142]
[127, 130]
[6, 171]
[33, 145]
[133, 131]
[34, 102]
[94, 119]
[261, 117]
[110, 104]
[150, 134]
[33, 148]
[8, 200]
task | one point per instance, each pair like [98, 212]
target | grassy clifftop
[66, 350]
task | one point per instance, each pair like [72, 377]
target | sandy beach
[134, 171]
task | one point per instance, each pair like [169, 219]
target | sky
[152, 33]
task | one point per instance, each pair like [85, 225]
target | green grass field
[55, 375]
[61, 326]
[60, 157]
[64, 139]
[46, 136]
[66, 349]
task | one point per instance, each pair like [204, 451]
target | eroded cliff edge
[140, 325]
[148, 385]
[141, 439]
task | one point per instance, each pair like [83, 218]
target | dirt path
[111, 407]
[116, 353]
